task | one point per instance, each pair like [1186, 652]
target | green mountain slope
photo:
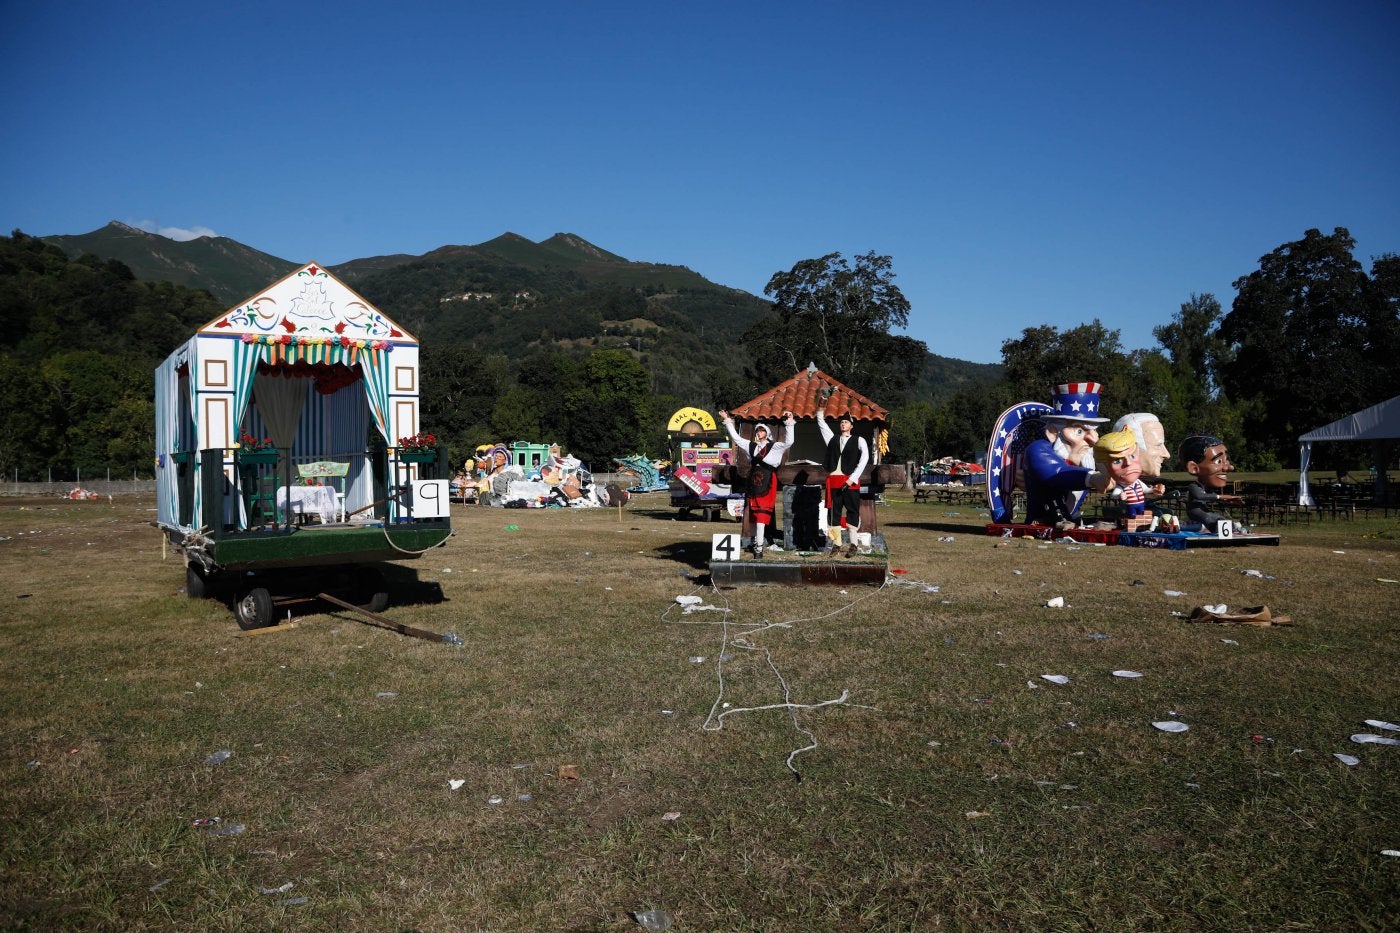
[513, 297]
[225, 268]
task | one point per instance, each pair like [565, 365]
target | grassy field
[952, 788]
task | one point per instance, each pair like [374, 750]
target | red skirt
[762, 505]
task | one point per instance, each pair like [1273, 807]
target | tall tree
[1196, 355]
[1301, 330]
[606, 408]
[839, 316]
[1044, 357]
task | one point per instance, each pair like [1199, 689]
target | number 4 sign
[725, 547]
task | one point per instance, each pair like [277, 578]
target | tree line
[1310, 336]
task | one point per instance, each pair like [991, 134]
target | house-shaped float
[328, 384]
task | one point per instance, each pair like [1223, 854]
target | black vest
[849, 460]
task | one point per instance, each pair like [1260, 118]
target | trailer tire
[254, 609]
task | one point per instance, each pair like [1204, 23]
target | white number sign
[725, 547]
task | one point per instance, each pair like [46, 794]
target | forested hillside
[562, 341]
[225, 268]
[78, 343]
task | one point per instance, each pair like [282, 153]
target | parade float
[289, 450]
[801, 544]
[1041, 460]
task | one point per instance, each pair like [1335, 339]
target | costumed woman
[761, 485]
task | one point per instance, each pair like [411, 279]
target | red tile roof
[803, 396]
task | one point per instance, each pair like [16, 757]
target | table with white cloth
[303, 500]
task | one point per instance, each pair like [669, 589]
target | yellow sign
[699, 415]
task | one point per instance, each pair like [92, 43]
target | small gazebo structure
[807, 395]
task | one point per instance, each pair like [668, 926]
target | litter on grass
[1173, 593]
[219, 757]
[654, 919]
[1057, 603]
[280, 889]
[455, 783]
[1258, 616]
[1368, 738]
[1055, 678]
[1171, 725]
[1382, 724]
[1126, 674]
[1350, 761]
[224, 829]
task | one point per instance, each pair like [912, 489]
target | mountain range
[507, 295]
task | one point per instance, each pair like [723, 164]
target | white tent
[1379, 422]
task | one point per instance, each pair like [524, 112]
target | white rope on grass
[715, 723]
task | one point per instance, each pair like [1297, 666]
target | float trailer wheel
[254, 609]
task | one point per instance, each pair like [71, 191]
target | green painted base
[312, 547]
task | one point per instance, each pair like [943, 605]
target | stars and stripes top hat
[1077, 401]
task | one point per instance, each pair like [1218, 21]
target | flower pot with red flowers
[420, 448]
[255, 450]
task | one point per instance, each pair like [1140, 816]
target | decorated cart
[289, 451]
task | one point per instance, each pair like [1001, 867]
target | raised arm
[728, 421]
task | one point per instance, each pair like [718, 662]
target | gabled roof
[1375, 423]
[310, 302]
[805, 396]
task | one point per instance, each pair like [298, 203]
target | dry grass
[116, 688]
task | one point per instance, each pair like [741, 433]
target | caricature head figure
[1151, 440]
[1206, 458]
[1119, 450]
[1073, 428]
[1073, 440]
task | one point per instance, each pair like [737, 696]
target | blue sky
[1022, 163]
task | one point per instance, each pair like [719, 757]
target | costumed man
[1118, 450]
[1206, 458]
[847, 456]
[761, 485]
[1059, 467]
